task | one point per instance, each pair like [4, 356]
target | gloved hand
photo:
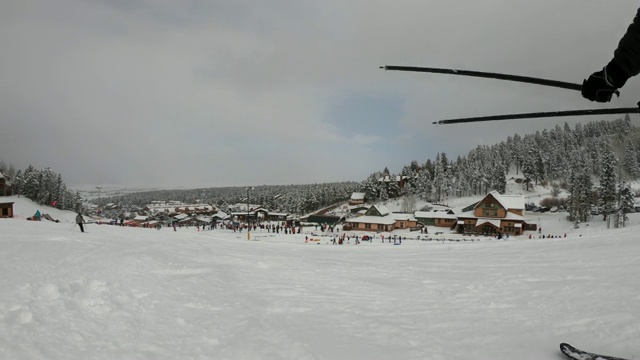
[601, 85]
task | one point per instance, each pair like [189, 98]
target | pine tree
[408, 177]
[630, 162]
[18, 183]
[384, 195]
[626, 203]
[371, 187]
[438, 179]
[393, 188]
[499, 178]
[608, 181]
[580, 185]
[423, 184]
[31, 183]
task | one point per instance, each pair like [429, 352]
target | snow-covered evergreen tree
[580, 185]
[408, 176]
[423, 184]
[608, 180]
[499, 178]
[626, 202]
[439, 179]
[18, 183]
[630, 160]
[384, 195]
[393, 187]
[371, 186]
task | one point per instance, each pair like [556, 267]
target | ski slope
[128, 293]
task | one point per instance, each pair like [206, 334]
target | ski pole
[629, 110]
[489, 75]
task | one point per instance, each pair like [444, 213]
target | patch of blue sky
[366, 115]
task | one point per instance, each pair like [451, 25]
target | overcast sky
[251, 92]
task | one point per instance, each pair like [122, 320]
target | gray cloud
[238, 92]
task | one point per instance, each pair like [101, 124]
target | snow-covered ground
[127, 293]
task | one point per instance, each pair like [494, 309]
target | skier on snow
[80, 221]
[601, 85]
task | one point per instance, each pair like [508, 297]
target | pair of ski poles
[516, 78]
[75, 224]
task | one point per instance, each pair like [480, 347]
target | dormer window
[489, 212]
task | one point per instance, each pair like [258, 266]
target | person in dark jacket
[601, 85]
[80, 221]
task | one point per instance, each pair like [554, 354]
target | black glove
[601, 85]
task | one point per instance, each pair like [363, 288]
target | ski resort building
[260, 214]
[357, 198]
[174, 208]
[444, 218]
[379, 218]
[494, 214]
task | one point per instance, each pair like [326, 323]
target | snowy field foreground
[126, 293]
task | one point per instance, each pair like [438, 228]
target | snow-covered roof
[402, 217]
[221, 215]
[467, 214]
[512, 216]
[357, 196]
[385, 220]
[165, 203]
[278, 214]
[181, 216]
[434, 215]
[196, 207]
[494, 222]
[141, 218]
[243, 206]
[383, 210]
[509, 201]
[171, 208]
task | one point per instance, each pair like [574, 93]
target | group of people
[345, 238]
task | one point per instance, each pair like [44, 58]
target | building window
[367, 226]
[490, 212]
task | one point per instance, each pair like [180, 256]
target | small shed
[6, 210]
